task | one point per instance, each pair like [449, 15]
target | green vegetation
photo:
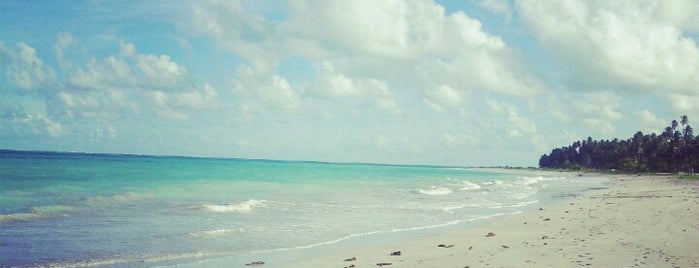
[689, 177]
[674, 150]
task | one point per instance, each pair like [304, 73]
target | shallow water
[69, 209]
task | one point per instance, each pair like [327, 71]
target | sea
[63, 209]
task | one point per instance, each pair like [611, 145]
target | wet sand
[639, 221]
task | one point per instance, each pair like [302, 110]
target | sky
[451, 82]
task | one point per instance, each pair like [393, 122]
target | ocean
[111, 210]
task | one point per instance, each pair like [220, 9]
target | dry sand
[639, 221]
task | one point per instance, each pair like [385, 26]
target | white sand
[640, 221]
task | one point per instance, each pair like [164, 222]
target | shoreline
[638, 221]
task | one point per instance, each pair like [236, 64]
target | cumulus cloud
[128, 69]
[457, 139]
[517, 125]
[100, 104]
[639, 45]
[36, 124]
[649, 122]
[258, 82]
[603, 105]
[175, 105]
[597, 111]
[23, 68]
[330, 84]
[443, 97]
[500, 7]
[409, 40]
[367, 44]
[126, 82]
[684, 103]
[235, 29]
[64, 41]
[159, 70]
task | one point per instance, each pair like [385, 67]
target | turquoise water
[72, 209]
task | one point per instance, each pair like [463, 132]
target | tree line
[676, 149]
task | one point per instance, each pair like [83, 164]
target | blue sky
[454, 82]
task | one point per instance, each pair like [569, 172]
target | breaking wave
[36, 213]
[466, 185]
[245, 206]
[434, 190]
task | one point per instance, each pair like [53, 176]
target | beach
[151, 211]
[638, 221]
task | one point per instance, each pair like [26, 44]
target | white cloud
[130, 70]
[110, 72]
[85, 104]
[366, 43]
[356, 27]
[207, 98]
[178, 105]
[332, 85]
[443, 97]
[235, 29]
[599, 111]
[102, 104]
[501, 7]
[127, 49]
[108, 87]
[631, 44]
[24, 68]
[410, 41]
[680, 13]
[602, 105]
[63, 42]
[258, 83]
[37, 124]
[517, 125]
[684, 104]
[458, 140]
[649, 122]
[159, 70]
[599, 125]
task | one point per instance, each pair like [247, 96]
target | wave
[526, 181]
[245, 206]
[515, 205]
[136, 260]
[18, 217]
[493, 182]
[216, 233]
[451, 208]
[466, 185]
[121, 198]
[434, 190]
[409, 229]
[36, 213]
[51, 210]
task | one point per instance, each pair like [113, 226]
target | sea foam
[245, 206]
[434, 190]
[36, 213]
[18, 217]
[466, 185]
[526, 181]
[216, 233]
